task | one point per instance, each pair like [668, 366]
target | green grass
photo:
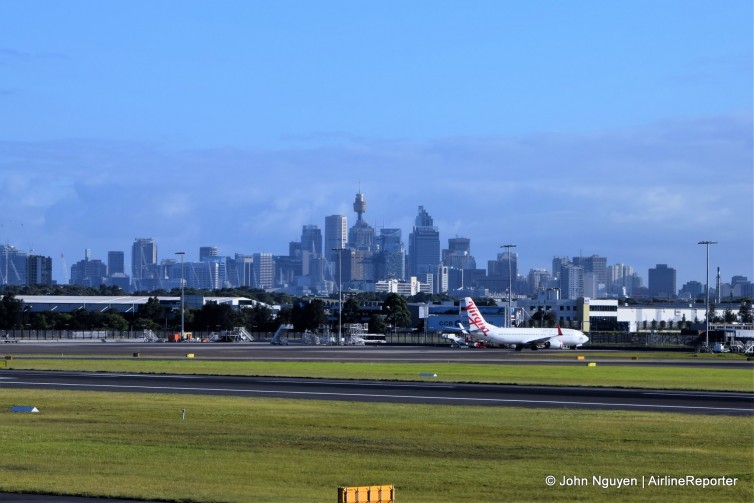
[272, 450]
[628, 376]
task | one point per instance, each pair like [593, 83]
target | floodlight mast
[510, 282]
[706, 309]
[183, 332]
[340, 292]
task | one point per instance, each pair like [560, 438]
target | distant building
[88, 272]
[390, 257]
[263, 271]
[39, 270]
[144, 270]
[336, 235]
[361, 236]
[424, 246]
[13, 265]
[207, 252]
[571, 282]
[662, 282]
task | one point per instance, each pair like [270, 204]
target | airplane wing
[538, 340]
[459, 329]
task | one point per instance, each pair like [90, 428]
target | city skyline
[423, 219]
[621, 130]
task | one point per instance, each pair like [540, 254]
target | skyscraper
[39, 271]
[661, 282]
[116, 263]
[144, 263]
[264, 270]
[207, 252]
[336, 235]
[423, 246]
[311, 240]
[390, 262]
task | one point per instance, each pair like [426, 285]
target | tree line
[303, 313]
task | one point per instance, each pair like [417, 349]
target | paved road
[391, 391]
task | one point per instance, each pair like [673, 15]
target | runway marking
[750, 396]
[414, 397]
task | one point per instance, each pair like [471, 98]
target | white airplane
[534, 338]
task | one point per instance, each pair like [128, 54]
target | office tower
[539, 280]
[144, 264]
[264, 270]
[13, 264]
[661, 282]
[241, 270]
[507, 267]
[116, 263]
[88, 272]
[311, 240]
[458, 254]
[116, 271]
[594, 264]
[336, 235]
[207, 252]
[390, 261]
[423, 246]
[571, 281]
[39, 271]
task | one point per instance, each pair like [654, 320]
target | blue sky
[622, 129]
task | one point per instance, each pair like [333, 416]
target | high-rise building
[241, 270]
[458, 254]
[594, 264]
[116, 271]
[144, 269]
[88, 272]
[571, 281]
[423, 246]
[662, 282]
[207, 252]
[13, 264]
[336, 235]
[264, 270]
[390, 261]
[116, 263]
[311, 240]
[39, 271]
[539, 280]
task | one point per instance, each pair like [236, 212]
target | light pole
[340, 291]
[182, 319]
[706, 309]
[510, 281]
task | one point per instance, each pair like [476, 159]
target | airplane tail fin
[476, 320]
[560, 332]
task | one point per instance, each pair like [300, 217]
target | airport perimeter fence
[596, 339]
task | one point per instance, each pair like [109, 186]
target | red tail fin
[560, 332]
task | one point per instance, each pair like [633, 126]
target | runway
[391, 391]
[259, 351]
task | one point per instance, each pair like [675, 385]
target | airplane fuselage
[534, 338]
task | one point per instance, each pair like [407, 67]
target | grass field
[273, 450]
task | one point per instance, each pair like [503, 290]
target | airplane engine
[554, 344]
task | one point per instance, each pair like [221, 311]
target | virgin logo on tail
[475, 317]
